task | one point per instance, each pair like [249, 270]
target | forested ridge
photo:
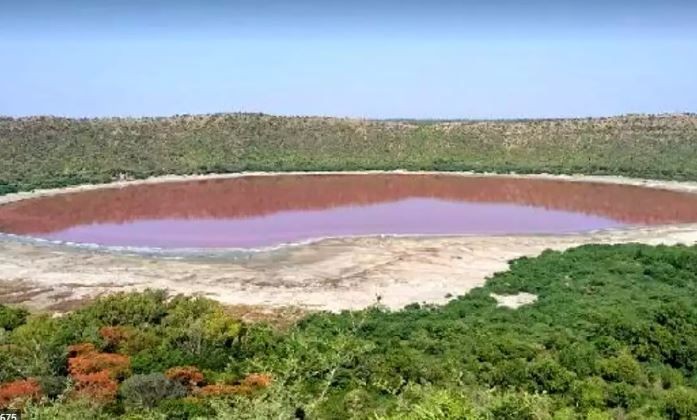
[46, 152]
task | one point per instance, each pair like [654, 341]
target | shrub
[188, 376]
[182, 310]
[159, 358]
[149, 390]
[667, 377]
[11, 366]
[436, 404]
[205, 341]
[257, 380]
[74, 409]
[99, 387]
[220, 327]
[596, 414]
[589, 393]
[681, 403]
[18, 393]
[39, 346]
[623, 395]
[184, 409]
[134, 309]
[53, 386]
[116, 365]
[11, 318]
[519, 407]
[139, 340]
[205, 317]
[219, 390]
[81, 349]
[622, 368]
[546, 374]
[248, 385]
[114, 337]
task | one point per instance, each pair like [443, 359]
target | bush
[188, 376]
[681, 403]
[11, 318]
[519, 407]
[547, 375]
[149, 390]
[53, 386]
[184, 409]
[68, 410]
[219, 390]
[81, 349]
[590, 393]
[99, 387]
[116, 365]
[257, 380]
[622, 368]
[439, 404]
[39, 347]
[115, 336]
[623, 395]
[134, 309]
[183, 310]
[18, 393]
[140, 340]
[247, 386]
[159, 358]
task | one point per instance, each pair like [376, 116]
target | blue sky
[441, 59]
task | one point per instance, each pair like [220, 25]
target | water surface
[263, 211]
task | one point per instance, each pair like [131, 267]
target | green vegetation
[613, 335]
[43, 152]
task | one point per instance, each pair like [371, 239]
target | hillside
[612, 335]
[48, 151]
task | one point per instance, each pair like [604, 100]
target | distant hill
[51, 151]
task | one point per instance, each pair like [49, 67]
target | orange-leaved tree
[189, 376]
[17, 393]
[248, 385]
[96, 374]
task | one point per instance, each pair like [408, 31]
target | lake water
[261, 211]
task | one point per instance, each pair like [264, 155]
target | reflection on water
[260, 211]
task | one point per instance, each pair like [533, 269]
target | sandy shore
[331, 274]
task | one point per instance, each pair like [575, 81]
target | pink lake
[253, 212]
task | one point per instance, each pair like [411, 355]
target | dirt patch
[514, 301]
[332, 274]
[279, 317]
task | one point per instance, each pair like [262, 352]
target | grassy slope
[46, 151]
[612, 335]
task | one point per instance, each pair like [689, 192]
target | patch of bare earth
[514, 301]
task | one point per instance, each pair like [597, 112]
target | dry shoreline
[331, 274]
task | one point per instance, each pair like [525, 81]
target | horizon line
[348, 118]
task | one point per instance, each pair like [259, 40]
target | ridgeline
[46, 152]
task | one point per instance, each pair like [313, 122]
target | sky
[365, 59]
